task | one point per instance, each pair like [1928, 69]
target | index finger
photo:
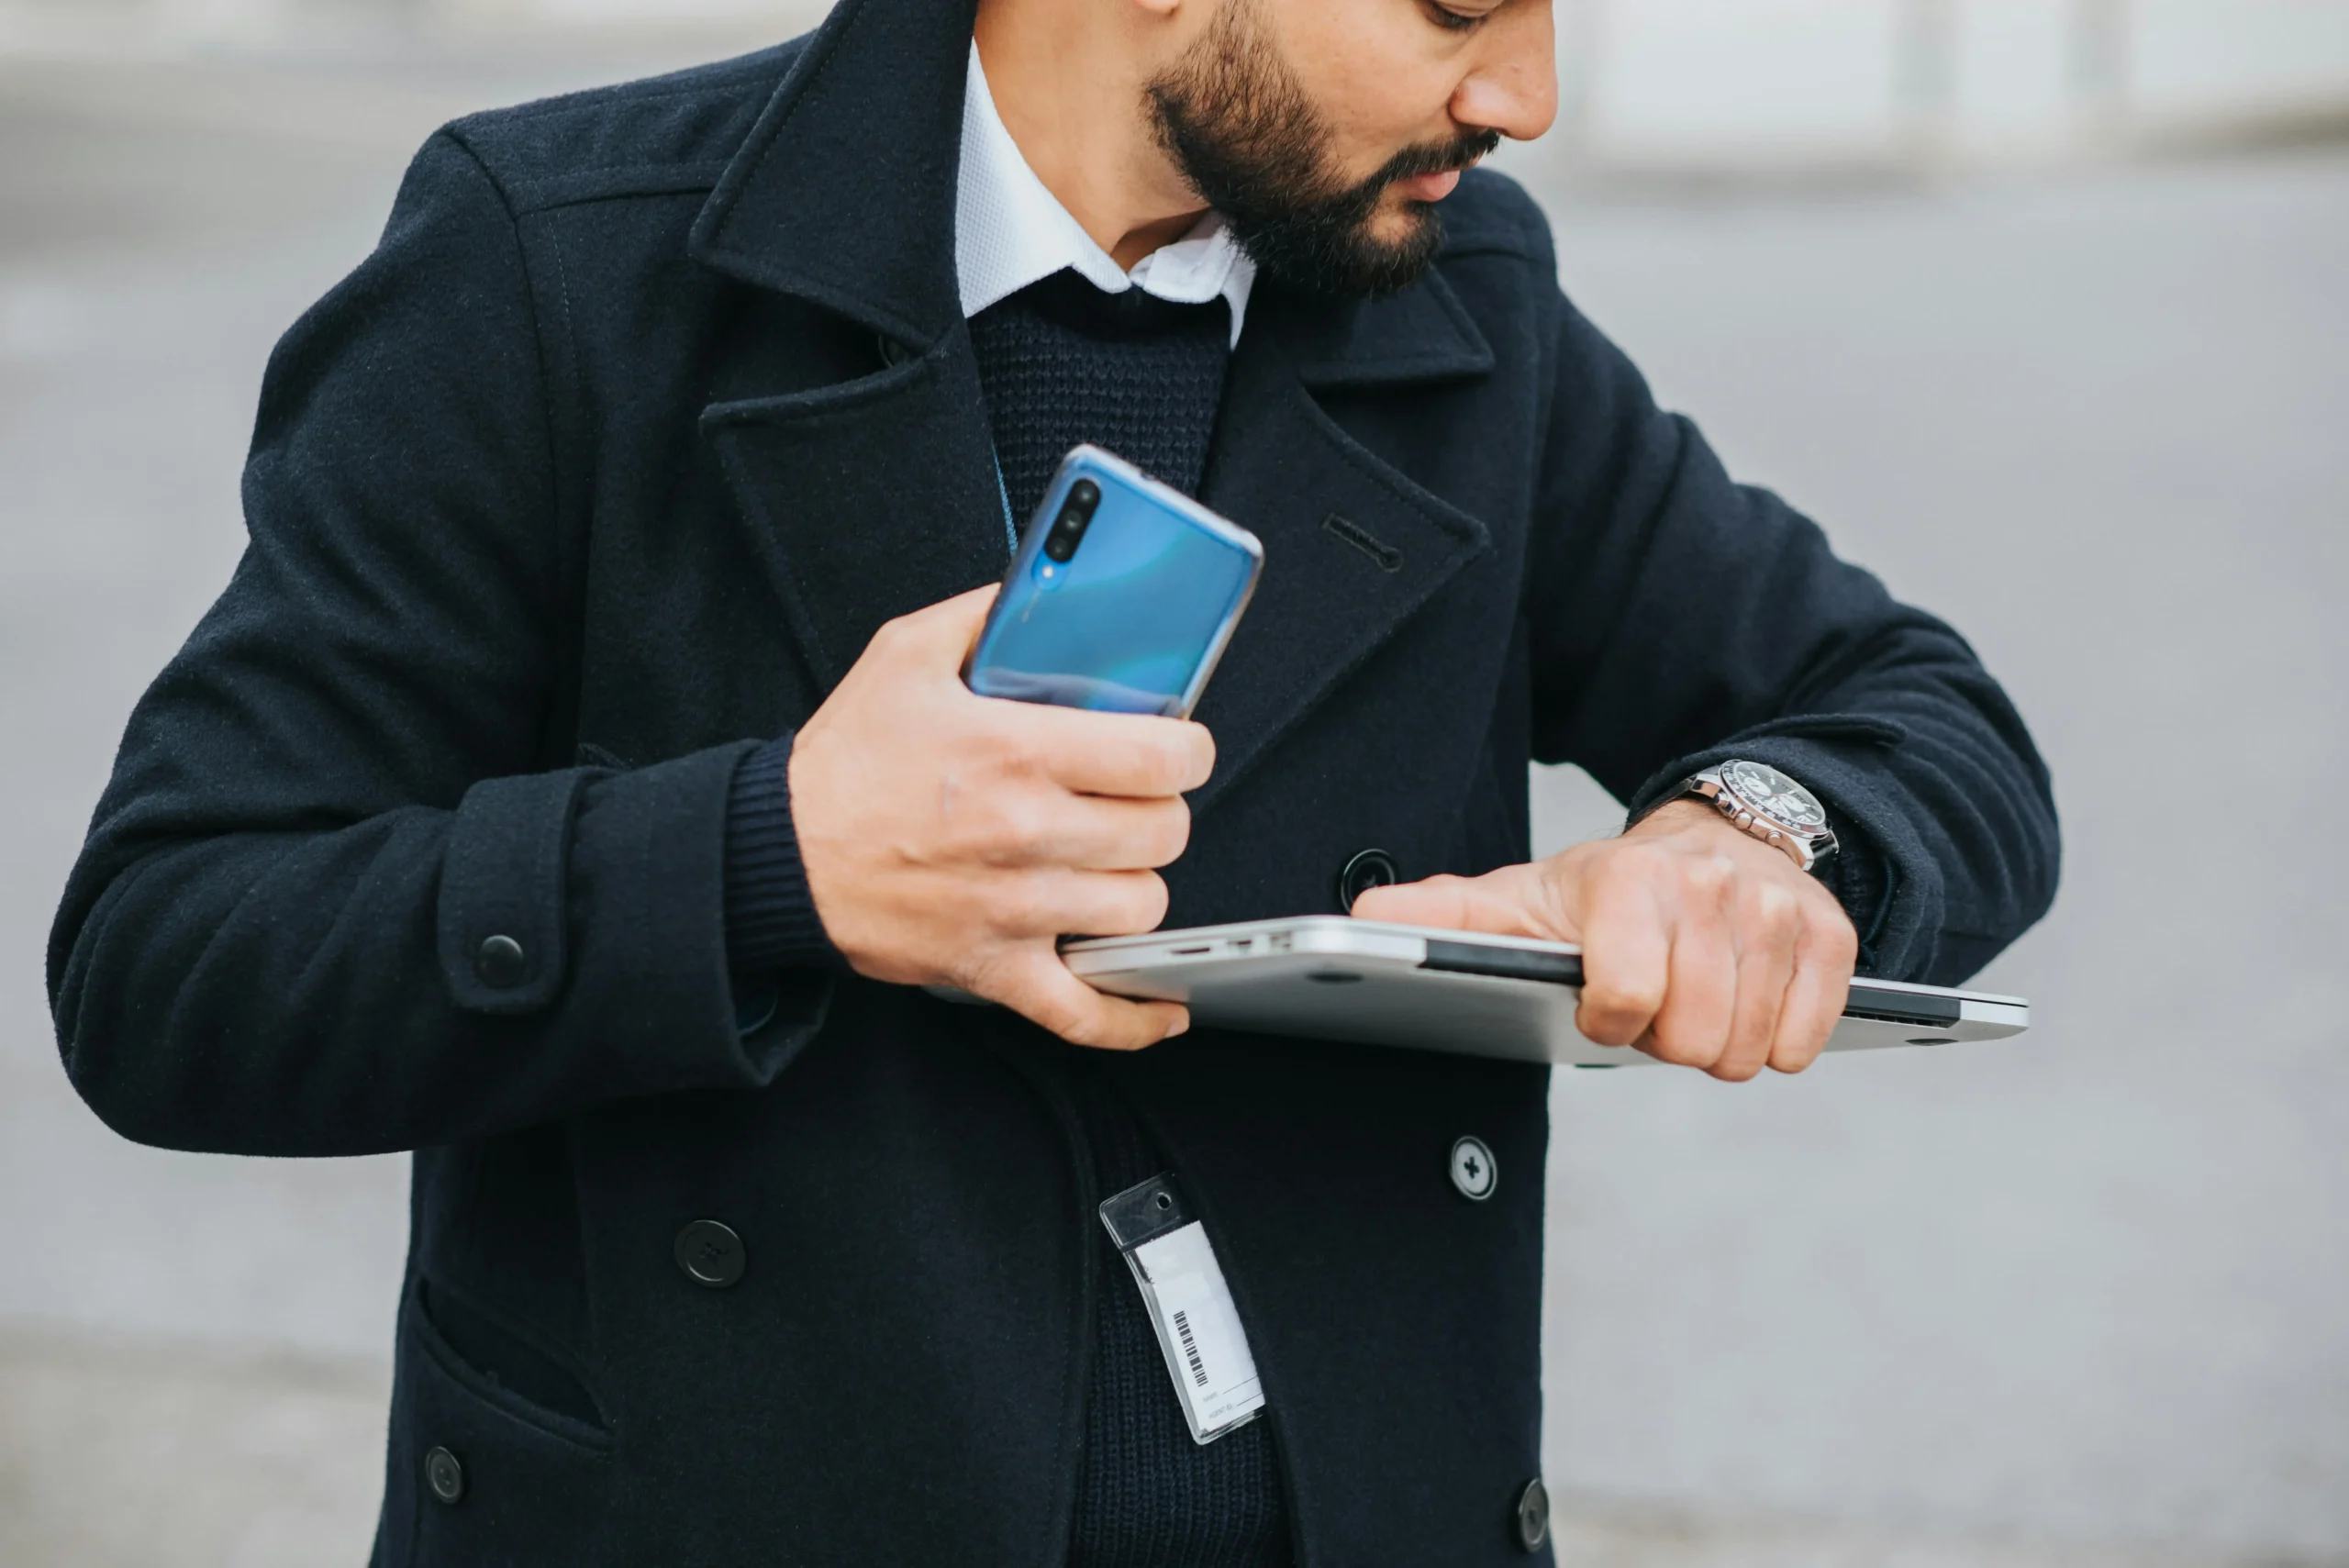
[1626, 961]
[1134, 755]
[1511, 902]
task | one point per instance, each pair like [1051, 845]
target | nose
[1513, 87]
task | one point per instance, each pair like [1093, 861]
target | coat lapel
[869, 500]
[1352, 545]
[875, 496]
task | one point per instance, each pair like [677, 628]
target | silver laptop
[1333, 977]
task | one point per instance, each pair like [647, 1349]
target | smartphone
[1122, 596]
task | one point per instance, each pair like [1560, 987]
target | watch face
[1770, 793]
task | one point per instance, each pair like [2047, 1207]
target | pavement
[2073, 1302]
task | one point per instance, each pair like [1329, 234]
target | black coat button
[444, 1475]
[710, 1255]
[1533, 1514]
[1372, 868]
[501, 963]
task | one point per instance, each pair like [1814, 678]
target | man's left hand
[1700, 945]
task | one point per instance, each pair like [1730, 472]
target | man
[574, 786]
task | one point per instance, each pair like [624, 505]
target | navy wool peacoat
[652, 404]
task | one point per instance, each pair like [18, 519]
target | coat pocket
[480, 1475]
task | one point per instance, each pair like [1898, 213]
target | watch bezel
[1762, 813]
[1806, 847]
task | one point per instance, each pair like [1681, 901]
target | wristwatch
[1764, 802]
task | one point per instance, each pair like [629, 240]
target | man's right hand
[951, 839]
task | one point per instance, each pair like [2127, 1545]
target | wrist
[1765, 805]
[1681, 816]
[1690, 817]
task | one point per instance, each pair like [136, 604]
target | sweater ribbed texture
[1062, 363]
[771, 922]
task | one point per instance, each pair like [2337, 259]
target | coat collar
[844, 195]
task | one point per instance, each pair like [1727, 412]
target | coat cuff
[770, 919]
[1883, 873]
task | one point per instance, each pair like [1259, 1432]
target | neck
[1070, 79]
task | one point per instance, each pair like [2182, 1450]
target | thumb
[1511, 902]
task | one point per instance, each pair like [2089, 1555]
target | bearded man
[574, 786]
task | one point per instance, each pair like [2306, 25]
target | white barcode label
[1199, 1328]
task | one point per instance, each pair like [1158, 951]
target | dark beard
[1239, 125]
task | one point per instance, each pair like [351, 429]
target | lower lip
[1429, 187]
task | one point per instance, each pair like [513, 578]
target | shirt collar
[1010, 231]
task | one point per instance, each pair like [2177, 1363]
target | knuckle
[1795, 1057]
[892, 640]
[1078, 1027]
[1146, 900]
[1625, 999]
[1020, 906]
[1154, 762]
[1614, 1019]
[1678, 1048]
[1174, 834]
[1202, 753]
[1777, 912]
[997, 743]
[1024, 825]
[1712, 878]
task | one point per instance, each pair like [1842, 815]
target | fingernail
[1182, 1027]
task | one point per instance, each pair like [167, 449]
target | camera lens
[1083, 496]
[1059, 546]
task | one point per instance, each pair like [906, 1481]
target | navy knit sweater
[1062, 363]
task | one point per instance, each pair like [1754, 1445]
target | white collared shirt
[1010, 231]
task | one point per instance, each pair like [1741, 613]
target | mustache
[1462, 152]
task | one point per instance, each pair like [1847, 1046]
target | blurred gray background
[2037, 305]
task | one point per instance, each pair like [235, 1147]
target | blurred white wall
[1658, 85]
[1758, 82]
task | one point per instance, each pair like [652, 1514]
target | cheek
[1376, 72]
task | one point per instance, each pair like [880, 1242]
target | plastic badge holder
[1190, 1306]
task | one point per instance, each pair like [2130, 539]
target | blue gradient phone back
[1135, 621]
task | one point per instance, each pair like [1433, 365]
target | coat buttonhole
[1389, 559]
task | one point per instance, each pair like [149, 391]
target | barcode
[1191, 1351]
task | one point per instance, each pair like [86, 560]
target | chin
[1400, 222]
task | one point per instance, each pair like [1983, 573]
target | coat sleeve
[1678, 619]
[327, 906]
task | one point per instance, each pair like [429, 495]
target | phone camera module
[1076, 515]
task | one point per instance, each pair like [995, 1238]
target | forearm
[1680, 619]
